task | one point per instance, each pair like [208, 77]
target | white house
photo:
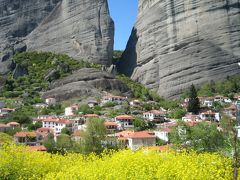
[191, 117]
[210, 116]
[155, 115]
[58, 124]
[206, 101]
[50, 101]
[163, 134]
[125, 121]
[114, 99]
[140, 139]
[70, 111]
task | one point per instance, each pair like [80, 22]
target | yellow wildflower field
[20, 163]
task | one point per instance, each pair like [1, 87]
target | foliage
[42, 68]
[85, 109]
[5, 138]
[34, 127]
[19, 163]
[177, 113]
[94, 135]
[52, 109]
[143, 93]
[117, 55]
[202, 137]
[226, 87]
[66, 131]
[139, 124]
[193, 104]
[50, 143]
[12, 131]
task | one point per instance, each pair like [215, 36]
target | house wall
[136, 143]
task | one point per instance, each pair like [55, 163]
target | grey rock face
[82, 29]
[176, 43]
[85, 82]
[79, 28]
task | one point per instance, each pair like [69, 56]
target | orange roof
[141, 134]
[25, 134]
[124, 133]
[209, 113]
[38, 148]
[8, 109]
[109, 123]
[90, 115]
[4, 126]
[44, 129]
[13, 124]
[155, 112]
[232, 107]
[124, 117]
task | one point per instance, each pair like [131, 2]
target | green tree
[66, 131]
[202, 137]
[194, 104]
[94, 135]
[50, 143]
[139, 124]
[64, 143]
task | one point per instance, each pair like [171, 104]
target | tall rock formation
[82, 29]
[176, 43]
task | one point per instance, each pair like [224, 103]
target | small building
[114, 99]
[210, 116]
[206, 101]
[38, 148]
[124, 121]
[231, 111]
[72, 110]
[155, 116]
[135, 103]
[4, 127]
[77, 135]
[163, 134]
[191, 117]
[13, 125]
[140, 139]
[50, 101]
[92, 103]
[111, 127]
[40, 105]
[58, 124]
[27, 138]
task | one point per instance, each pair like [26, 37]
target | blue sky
[124, 13]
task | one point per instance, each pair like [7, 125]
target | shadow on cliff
[128, 61]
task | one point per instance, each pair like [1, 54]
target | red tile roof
[38, 148]
[109, 123]
[155, 112]
[4, 126]
[13, 124]
[25, 134]
[90, 115]
[124, 117]
[141, 134]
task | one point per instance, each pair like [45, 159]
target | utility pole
[236, 131]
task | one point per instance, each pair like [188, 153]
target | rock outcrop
[84, 83]
[176, 43]
[82, 29]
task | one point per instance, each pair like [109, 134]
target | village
[120, 128]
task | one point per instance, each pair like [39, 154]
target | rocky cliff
[85, 82]
[176, 43]
[79, 28]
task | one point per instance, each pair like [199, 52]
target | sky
[124, 13]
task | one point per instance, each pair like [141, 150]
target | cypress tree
[193, 104]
